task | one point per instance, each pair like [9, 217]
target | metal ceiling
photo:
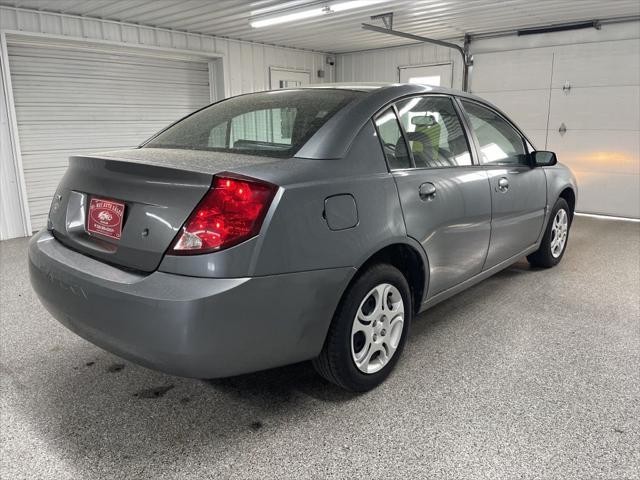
[339, 32]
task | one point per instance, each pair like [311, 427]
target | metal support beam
[387, 19]
[467, 62]
[464, 52]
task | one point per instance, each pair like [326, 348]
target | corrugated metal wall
[246, 70]
[248, 63]
[340, 30]
[382, 65]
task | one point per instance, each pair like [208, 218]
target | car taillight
[230, 213]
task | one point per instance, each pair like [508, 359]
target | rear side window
[434, 132]
[393, 144]
[275, 124]
[499, 142]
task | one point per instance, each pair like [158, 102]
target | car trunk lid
[159, 189]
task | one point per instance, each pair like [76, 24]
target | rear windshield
[275, 124]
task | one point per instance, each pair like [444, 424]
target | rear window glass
[276, 123]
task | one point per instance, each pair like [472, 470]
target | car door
[445, 199]
[518, 190]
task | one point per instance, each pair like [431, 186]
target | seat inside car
[437, 144]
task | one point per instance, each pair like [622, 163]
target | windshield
[276, 123]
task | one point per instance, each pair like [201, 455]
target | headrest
[423, 120]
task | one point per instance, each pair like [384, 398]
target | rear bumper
[187, 326]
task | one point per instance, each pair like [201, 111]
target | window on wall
[435, 133]
[435, 75]
[499, 142]
[428, 80]
[393, 144]
[273, 125]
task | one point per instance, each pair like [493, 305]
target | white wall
[524, 76]
[246, 69]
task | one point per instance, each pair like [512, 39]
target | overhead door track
[463, 51]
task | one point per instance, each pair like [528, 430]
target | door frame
[218, 85]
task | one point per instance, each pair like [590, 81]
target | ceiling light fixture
[310, 13]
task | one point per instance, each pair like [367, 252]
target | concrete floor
[531, 374]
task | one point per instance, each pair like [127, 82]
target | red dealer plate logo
[105, 217]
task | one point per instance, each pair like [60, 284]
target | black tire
[335, 362]
[544, 257]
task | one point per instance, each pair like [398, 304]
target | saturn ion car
[291, 225]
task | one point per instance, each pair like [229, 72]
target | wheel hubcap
[559, 231]
[377, 328]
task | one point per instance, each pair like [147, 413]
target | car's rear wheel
[368, 331]
[554, 241]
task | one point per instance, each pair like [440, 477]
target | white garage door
[71, 100]
[593, 92]
[601, 114]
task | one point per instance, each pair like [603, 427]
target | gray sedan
[289, 225]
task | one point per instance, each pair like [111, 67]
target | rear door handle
[503, 185]
[427, 191]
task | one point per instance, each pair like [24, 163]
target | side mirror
[543, 158]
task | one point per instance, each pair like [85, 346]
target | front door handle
[427, 191]
[503, 185]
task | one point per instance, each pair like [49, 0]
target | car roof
[358, 86]
[383, 91]
[400, 89]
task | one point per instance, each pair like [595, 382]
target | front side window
[275, 124]
[434, 131]
[499, 142]
[393, 144]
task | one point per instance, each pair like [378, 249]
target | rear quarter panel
[295, 235]
[298, 236]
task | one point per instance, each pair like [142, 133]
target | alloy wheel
[377, 328]
[559, 231]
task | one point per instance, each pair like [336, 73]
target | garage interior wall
[525, 76]
[245, 69]
[587, 80]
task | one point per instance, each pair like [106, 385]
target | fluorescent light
[342, 6]
[310, 13]
[289, 17]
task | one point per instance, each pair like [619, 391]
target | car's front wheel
[368, 331]
[554, 241]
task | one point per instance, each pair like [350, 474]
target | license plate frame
[105, 217]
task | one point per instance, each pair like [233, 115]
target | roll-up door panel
[78, 100]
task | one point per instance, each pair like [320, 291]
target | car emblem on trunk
[105, 217]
